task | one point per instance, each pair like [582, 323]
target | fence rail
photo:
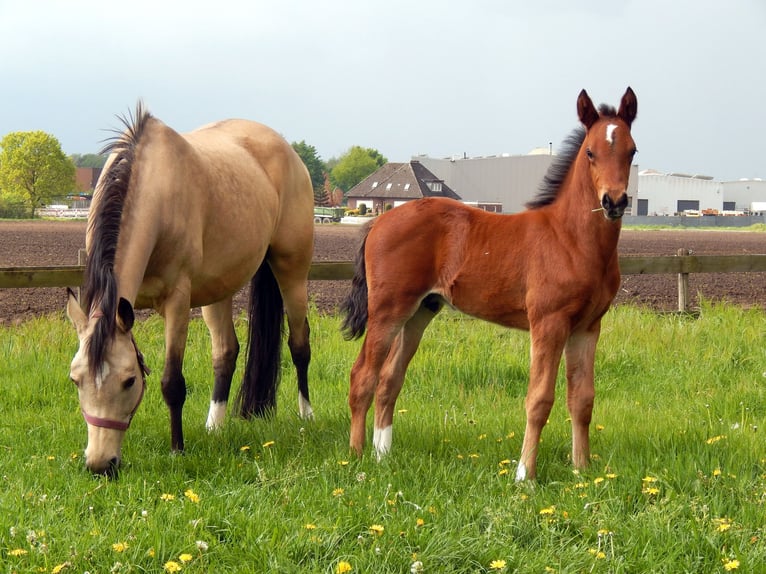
[682, 264]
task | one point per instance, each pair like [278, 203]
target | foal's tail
[258, 393]
[355, 305]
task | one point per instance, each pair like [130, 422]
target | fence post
[683, 285]
[82, 257]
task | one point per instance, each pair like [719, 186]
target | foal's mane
[562, 162]
[100, 286]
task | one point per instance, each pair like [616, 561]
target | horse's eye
[71, 378]
[589, 154]
[129, 383]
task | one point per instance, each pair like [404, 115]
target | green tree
[314, 163]
[33, 169]
[356, 164]
[88, 159]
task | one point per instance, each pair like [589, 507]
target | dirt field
[57, 243]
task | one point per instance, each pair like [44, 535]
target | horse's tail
[258, 393]
[355, 305]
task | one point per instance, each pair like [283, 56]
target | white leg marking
[610, 133]
[216, 415]
[381, 440]
[304, 408]
[521, 472]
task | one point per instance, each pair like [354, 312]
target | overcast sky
[406, 77]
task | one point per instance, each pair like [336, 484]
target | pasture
[677, 481]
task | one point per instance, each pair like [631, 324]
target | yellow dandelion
[603, 532]
[244, 448]
[599, 427]
[310, 526]
[482, 436]
[715, 439]
[191, 495]
[504, 462]
[649, 479]
[343, 567]
[60, 567]
[549, 510]
[723, 524]
[167, 497]
[600, 555]
[18, 552]
[151, 553]
[120, 546]
[717, 472]
[402, 411]
[172, 566]
[338, 492]
[550, 570]
[377, 529]
[730, 565]
[343, 462]
[184, 558]
[510, 435]
[611, 476]
[268, 443]
[497, 565]
[651, 491]
[474, 456]
[419, 522]
[502, 472]
[598, 480]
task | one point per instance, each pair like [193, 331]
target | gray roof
[401, 181]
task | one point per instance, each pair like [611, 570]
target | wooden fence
[682, 264]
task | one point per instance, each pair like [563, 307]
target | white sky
[437, 77]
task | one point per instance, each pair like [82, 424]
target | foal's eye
[129, 383]
[71, 378]
[589, 154]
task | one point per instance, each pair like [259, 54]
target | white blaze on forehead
[610, 133]
[103, 373]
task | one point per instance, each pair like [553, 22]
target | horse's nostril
[606, 202]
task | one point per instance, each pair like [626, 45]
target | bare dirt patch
[28, 243]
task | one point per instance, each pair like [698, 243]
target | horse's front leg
[225, 347]
[173, 383]
[580, 359]
[548, 340]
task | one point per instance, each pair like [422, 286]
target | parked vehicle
[328, 214]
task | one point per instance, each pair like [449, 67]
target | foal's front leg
[580, 359]
[547, 345]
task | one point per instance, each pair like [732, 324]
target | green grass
[677, 481]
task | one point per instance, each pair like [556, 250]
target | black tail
[258, 393]
[355, 305]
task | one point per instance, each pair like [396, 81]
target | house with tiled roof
[397, 183]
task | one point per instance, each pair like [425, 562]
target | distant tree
[314, 163]
[33, 169]
[356, 164]
[88, 159]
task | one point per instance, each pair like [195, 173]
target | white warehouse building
[674, 193]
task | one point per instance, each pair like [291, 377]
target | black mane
[100, 286]
[554, 177]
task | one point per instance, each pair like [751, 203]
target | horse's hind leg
[218, 318]
[293, 284]
[392, 375]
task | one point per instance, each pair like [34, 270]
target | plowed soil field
[27, 243]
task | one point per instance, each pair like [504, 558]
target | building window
[435, 186]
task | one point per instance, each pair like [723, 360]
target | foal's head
[609, 148]
[111, 391]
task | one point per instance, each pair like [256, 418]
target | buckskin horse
[181, 221]
[551, 269]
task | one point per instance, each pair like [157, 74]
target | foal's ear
[125, 315]
[75, 313]
[628, 107]
[586, 111]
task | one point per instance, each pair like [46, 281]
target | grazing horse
[181, 221]
[552, 270]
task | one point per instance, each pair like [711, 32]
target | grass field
[677, 481]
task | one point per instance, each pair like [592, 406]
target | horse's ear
[628, 107]
[75, 313]
[125, 315]
[586, 111]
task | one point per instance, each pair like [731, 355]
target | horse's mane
[100, 286]
[562, 162]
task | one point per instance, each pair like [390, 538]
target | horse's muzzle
[108, 468]
[614, 209]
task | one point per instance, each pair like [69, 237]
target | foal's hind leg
[218, 318]
[392, 377]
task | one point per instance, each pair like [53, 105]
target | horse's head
[110, 392]
[609, 149]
